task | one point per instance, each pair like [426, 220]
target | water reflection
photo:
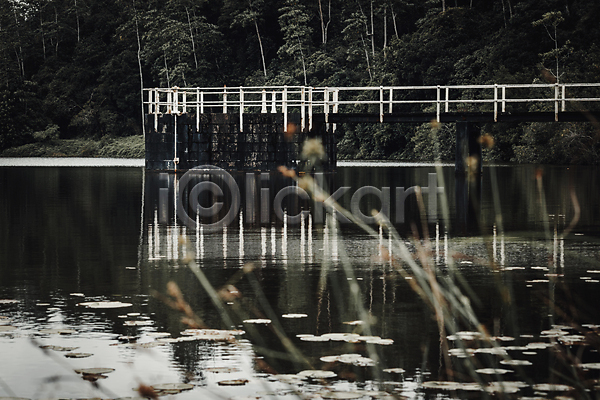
[85, 238]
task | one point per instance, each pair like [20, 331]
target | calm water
[95, 233]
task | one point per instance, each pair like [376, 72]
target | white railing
[308, 100]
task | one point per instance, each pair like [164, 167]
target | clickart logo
[203, 174]
[209, 193]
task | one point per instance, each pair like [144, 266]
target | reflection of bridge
[262, 127]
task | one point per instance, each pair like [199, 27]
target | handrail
[309, 100]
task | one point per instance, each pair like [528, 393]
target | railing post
[326, 106]
[175, 101]
[156, 109]
[225, 99]
[438, 105]
[241, 109]
[564, 103]
[556, 102]
[336, 93]
[169, 101]
[381, 104]
[446, 98]
[302, 108]
[263, 109]
[273, 102]
[184, 100]
[284, 109]
[391, 100]
[198, 108]
[310, 108]
[503, 99]
[495, 102]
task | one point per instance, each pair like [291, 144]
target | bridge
[262, 127]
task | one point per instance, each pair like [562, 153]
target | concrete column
[468, 170]
[468, 148]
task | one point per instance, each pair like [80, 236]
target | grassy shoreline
[122, 147]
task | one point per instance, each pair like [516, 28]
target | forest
[75, 68]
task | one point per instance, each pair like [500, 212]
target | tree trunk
[139, 57]
[192, 37]
[262, 53]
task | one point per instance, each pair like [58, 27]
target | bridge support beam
[468, 169]
[468, 148]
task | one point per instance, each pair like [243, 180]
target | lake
[159, 278]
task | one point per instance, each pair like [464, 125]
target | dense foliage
[73, 68]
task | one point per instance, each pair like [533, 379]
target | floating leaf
[394, 370]
[138, 323]
[233, 382]
[505, 387]
[539, 345]
[316, 374]
[57, 348]
[105, 304]
[499, 351]
[219, 370]
[210, 334]
[58, 331]
[515, 362]
[292, 316]
[8, 301]
[590, 366]
[570, 340]
[172, 386]
[493, 371]
[354, 323]
[78, 355]
[94, 371]
[158, 334]
[441, 385]
[552, 387]
[465, 335]
[312, 338]
[257, 321]
[77, 294]
[461, 353]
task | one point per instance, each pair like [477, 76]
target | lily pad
[552, 387]
[257, 321]
[394, 370]
[516, 362]
[221, 370]
[138, 323]
[441, 385]
[105, 304]
[505, 387]
[316, 374]
[94, 371]
[78, 355]
[233, 382]
[58, 331]
[493, 371]
[294, 316]
[57, 348]
[161, 387]
[210, 334]
[590, 366]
